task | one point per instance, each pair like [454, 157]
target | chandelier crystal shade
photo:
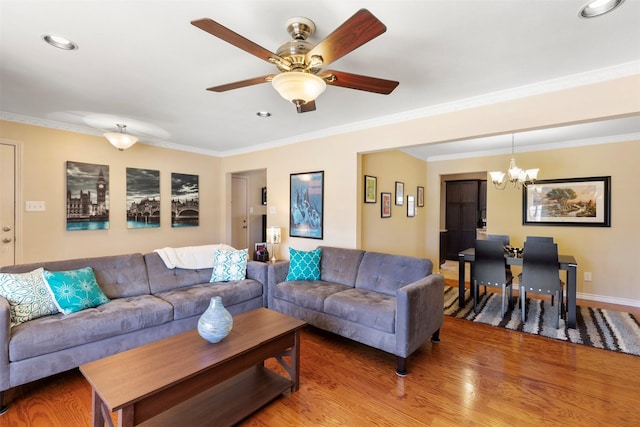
[121, 140]
[298, 87]
[517, 177]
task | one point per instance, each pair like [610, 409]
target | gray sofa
[390, 302]
[148, 302]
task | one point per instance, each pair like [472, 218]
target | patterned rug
[606, 329]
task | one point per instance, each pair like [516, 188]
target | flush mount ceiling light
[517, 177]
[598, 7]
[60, 42]
[263, 114]
[121, 140]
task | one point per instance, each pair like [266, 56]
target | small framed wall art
[399, 193]
[385, 205]
[420, 196]
[370, 189]
[411, 206]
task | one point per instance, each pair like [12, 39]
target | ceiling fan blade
[353, 33]
[307, 106]
[359, 82]
[242, 83]
[222, 32]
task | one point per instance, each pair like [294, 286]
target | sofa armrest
[419, 312]
[277, 273]
[258, 271]
[5, 337]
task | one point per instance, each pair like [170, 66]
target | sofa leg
[436, 336]
[401, 370]
[3, 407]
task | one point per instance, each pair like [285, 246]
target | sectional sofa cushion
[27, 294]
[387, 273]
[340, 265]
[229, 265]
[304, 265]
[193, 300]
[74, 290]
[120, 316]
[360, 306]
[307, 293]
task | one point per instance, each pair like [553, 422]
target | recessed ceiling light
[263, 114]
[598, 7]
[59, 42]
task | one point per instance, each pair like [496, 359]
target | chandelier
[517, 177]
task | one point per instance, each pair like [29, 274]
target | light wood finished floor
[477, 375]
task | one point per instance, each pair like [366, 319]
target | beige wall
[399, 234]
[340, 156]
[45, 153]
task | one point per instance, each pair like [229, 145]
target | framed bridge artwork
[143, 198]
[185, 200]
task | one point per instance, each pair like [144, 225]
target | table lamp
[273, 237]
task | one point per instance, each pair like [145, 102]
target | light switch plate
[35, 206]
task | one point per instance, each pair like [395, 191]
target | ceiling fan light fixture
[121, 140]
[598, 7]
[298, 87]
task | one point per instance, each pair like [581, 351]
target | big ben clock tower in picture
[101, 189]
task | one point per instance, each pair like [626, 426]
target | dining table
[565, 262]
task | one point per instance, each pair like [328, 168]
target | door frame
[17, 190]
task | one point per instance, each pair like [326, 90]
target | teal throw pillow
[74, 290]
[28, 296]
[229, 265]
[304, 265]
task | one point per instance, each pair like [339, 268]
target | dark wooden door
[461, 216]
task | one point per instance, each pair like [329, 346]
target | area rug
[606, 329]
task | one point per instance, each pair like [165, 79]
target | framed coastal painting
[420, 196]
[582, 202]
[411, 206]
[87, 196]
[306, 205]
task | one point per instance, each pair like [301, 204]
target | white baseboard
[610, 300]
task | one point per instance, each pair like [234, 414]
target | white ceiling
[143, 64]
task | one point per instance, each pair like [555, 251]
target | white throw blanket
[190, 257]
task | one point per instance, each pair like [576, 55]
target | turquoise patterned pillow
[304, 265]
[74, 290]
[28, 296]
[229, 265]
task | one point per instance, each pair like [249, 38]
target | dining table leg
[572, 274]
[461, 280]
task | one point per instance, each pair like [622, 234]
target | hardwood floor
[477, 375]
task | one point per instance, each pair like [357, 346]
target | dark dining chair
[543, 239]
[501, 237]
[489, 271]
[540, 275]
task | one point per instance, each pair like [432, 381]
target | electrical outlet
[587, 276]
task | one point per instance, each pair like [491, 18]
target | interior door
[239, 216]
[7, 204]
[461, 216]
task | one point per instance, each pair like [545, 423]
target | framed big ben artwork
[87, 196]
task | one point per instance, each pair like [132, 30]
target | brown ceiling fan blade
[222, 32]
[359, 82]
[307, 106]
[242, 83]
[353, 33]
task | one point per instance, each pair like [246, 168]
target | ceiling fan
[301, 78]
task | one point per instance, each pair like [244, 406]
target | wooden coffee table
[185, 380]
